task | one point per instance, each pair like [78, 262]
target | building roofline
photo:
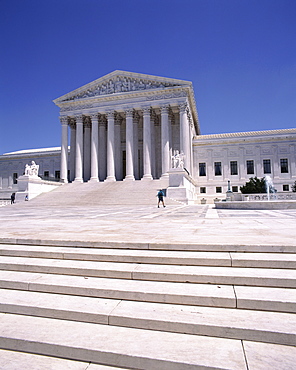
[246, 134]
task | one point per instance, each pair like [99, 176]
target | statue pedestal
[229, 196]
[181, 186]
[31, 185]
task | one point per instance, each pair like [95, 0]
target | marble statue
[32, 170]
[177, 159]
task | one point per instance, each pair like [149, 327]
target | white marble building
[126, 126]
[238, 156]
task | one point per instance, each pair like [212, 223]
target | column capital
[165, 108]
[110, 113]
[129, 112]
[146, 111]
[64, 120]
[94, 116]
[183, 107]
[79, 118]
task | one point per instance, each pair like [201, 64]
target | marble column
[94, 176]
[147, 143]
[129, 145]
[165, 145]
[184, 133]
[79, 149]
[72, 148]
[153, 144]
[102, 148]
[110, 147]
[86, 148]
[117, 148]
[136, 122]
[64, 150]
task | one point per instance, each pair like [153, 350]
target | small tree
[294, 187]
[253, 186]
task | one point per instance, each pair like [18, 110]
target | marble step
[153, 291]
[136, 348]
[192, 274]
[14, 360]
[235, 259]
[268, 327]
[110, 345]
[185, 247]
[226, 296]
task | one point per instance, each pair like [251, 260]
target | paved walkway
[198, 224]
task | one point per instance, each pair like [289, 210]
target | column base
[79, 179]
[129, 178]
[147, 177]
[164, 175]
[94, 179]
[110, 179]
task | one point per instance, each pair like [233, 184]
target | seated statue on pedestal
[32, 170]
[177, 159]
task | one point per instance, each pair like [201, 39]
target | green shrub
[253, 186]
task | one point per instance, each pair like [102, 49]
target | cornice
[34, 153]
[241, 138]
[246, 133]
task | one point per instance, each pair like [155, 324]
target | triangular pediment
[121, 82]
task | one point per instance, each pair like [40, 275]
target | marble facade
[125, 126]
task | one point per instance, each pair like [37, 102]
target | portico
[125, 126]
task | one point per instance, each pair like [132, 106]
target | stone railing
[4, 202]
[272, 196]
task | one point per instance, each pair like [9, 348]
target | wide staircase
[147, 307]
[118, 193]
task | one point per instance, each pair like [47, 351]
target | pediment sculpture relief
[119, 85]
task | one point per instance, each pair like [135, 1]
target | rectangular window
[285, 187]
[218, 169]
[218, 189]
[250, 167]
[15, 176]
[233, 167]
[57, 174]
[46, 174]
[235, 189]
[202, 169]
[203, 189]
[266, 166]
[284, 165]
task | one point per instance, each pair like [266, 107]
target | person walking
[12, 198]
[160, 196]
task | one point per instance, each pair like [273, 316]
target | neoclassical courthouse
[129, 126]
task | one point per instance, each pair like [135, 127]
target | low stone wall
[30, 187]
[267, 204]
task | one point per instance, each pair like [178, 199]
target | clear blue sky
[239, 54]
